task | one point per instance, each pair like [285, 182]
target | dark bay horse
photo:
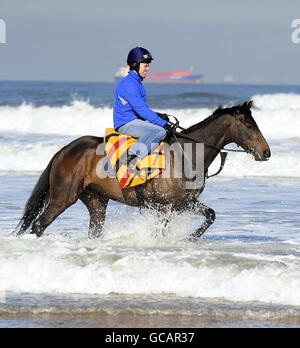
[72, 175]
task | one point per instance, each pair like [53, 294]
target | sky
[88, 40]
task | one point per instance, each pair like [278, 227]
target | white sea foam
[26, 158]
[64, 265]
[241, 165]
[277, 101]
[278, 116]
[35, 158]
[79, 118]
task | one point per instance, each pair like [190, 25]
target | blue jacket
[130, 102]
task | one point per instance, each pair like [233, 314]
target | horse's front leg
[96, 205]
[164, 218]
[208, 213]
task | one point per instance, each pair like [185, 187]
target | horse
[72, 174]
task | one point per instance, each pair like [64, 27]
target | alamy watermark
[182, 161]
[296, 32]
[2, 31]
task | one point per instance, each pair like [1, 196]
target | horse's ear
[249, 105]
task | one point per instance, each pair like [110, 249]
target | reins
[184, 136]
[223, 151]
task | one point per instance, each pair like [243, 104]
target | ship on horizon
[172, 77]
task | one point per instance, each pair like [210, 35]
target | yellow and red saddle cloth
[149, 167]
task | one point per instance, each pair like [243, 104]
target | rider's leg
[149, 136]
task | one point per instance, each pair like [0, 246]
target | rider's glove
[165, 117]
[169, 127]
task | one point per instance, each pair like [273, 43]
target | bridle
[223, 151]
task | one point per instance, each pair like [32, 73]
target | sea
[243, 272]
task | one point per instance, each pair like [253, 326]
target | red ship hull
[174, 77]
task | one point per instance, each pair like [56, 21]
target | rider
[132, 116]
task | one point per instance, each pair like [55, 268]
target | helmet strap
[136, 68]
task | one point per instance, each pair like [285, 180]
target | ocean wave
[59, 265]
[155, 305]
[30, 135]
[276, 114]
[79, 118]
[277, 101]
[242, 165]
[26, 158]
[35, 158]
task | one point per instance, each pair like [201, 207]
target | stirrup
[132, 162]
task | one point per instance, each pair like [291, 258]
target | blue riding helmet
[138, 55]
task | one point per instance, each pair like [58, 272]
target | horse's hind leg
[54, 209]
[208, 213]
[96, 205]
[64, 192]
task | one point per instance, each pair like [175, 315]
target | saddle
[117, 145]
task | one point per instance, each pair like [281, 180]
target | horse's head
[246, 133]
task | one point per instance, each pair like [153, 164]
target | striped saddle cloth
[117, 144]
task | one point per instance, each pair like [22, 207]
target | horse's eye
[248, 125]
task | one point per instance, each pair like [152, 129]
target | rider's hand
[169, 128]
[165, 117]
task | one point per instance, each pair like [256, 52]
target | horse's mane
[217, 113]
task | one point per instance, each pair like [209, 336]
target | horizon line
[114, 82]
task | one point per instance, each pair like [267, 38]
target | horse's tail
[38, 200]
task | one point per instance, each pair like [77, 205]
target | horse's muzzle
[265, 156]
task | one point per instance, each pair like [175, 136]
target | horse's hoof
[191, 239]
[38, 234]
